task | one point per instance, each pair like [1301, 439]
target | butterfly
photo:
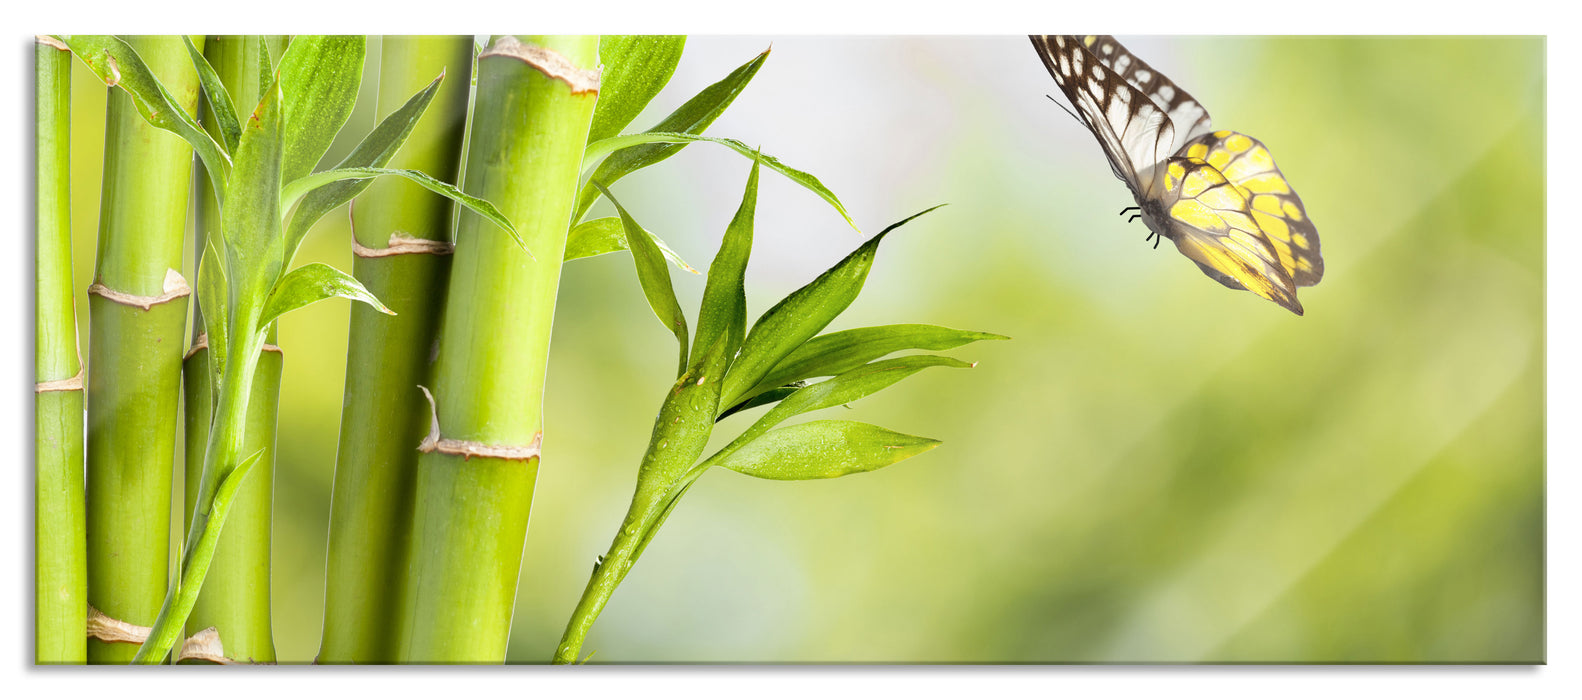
[1216, 194]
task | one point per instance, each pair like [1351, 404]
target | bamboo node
[467, 449]
[204, 646]
[202, 343]
[547, 61]
[402, 244]
[108, 629]
[51, 41]
[175, 287]
[72, 383]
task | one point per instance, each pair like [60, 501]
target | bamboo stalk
[137, 311]
[236, 591]
[475, 480]
[60, 580]
[384, 416]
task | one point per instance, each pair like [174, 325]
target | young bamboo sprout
[731, 369]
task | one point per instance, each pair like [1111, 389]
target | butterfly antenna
[1067, 111]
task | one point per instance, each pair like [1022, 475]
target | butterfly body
[1217, 195]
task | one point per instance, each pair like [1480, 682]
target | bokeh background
[1155, 469]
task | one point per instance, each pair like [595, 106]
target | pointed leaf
[800, 316]
[118, 65]
[636, 68]
[690, 118]
[319, 78]
[311, 283]
[607, 235]
[297, 189]
[848, 387]
[376, 150]
[834, 353]
[250, 221]
[212, 299]
[619, 144]
[723, 313]
[218, 97]
[266, 64]
[654, 277]
[762, 398]
[824, 449]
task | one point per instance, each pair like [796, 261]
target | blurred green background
[1155, 469]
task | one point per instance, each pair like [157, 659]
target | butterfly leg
[1127, 209]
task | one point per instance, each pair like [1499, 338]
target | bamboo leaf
[614, 146]
[607, 235]
[833, 353]
[319, 78]
[800, 316]
[823, 450]
[300, 187]
[118, 65]
[636, 68]
[315, 282]
[762, 398]
[266, 64]
[848, 387]
[250, 222]
[218, 97]
[376, 150]
[212, 300]
[654, 277]
[723, 313]
[690, 118]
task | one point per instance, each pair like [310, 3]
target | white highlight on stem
[108, 629]
[549, 62]
[205, 646]
[402, 244]
[72, 383]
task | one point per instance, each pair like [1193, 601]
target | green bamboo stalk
[60, 582]
[137, 311]
[235, 597]
[534, 103]
[384, 416]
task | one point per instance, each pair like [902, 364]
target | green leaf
[850, 386]
[266, 63]
[823, 450]
[636, 68]
[690, 118]
[300, 187]
[723, 313]
[800, 316]
[118, 65]
[311, 283]
[216, 312]
[833, 353]
[218, 97]
[250, 222]
[654, 277]
[319, 78]
[607, 235]
[376, 149]
[762, 398]
[616, 145]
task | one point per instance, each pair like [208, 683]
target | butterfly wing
[1211, 223]
[1274, 205]
[1134, 132]
[1189, 117]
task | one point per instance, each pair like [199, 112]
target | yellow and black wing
[1274, 205]
[1211, 223]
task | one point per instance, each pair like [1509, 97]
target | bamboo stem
[235, 596]
[384, 416]
[136, 350]
[60, 563]
[535, 101]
